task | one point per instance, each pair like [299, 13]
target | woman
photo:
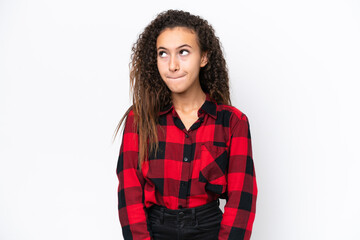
[184, 145]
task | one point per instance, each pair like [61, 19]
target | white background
[294, 70]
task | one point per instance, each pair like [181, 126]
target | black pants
[201, 222]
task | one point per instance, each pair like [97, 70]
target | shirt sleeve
[240, 207]
[131, 208]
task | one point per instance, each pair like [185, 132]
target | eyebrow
[184, 45]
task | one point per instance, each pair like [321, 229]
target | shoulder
[130, 112]
[237, 120]
[130, 123]
[235, 113]
[129, 115]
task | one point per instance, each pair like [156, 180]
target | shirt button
[180, 206]
[186, 135]
[186, 159]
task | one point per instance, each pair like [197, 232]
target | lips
[175, 77]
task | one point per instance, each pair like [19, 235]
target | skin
[179, 60]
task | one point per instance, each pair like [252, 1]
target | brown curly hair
[149, 92]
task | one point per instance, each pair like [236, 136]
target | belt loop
[162, 216]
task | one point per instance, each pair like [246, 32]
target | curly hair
[149, 92]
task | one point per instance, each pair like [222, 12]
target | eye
[161, 53]
[186, 52]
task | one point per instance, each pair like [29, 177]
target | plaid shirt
[213, 159]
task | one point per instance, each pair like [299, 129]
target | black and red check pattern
[213, 159]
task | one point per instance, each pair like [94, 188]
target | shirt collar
[209, 107]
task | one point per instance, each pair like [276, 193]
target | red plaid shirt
[213, 159]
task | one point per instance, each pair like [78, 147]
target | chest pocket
[213, 167]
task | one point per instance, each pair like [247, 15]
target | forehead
[177, 36]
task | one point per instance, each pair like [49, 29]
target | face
[179, 59]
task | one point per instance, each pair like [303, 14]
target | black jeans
[202, 223]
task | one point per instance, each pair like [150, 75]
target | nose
[173, 64]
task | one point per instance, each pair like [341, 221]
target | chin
[177, 91]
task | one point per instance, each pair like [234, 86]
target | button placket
[186, 160]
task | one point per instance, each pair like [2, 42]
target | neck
[189, 100]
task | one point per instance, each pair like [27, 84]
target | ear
[204, 59]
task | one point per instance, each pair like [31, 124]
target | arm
[132, 214]
[239, 210]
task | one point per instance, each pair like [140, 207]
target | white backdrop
[294, 70]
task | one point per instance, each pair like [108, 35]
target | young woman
[184, 145]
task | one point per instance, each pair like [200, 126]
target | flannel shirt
[210, 160]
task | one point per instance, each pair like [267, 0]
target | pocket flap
[214, 162]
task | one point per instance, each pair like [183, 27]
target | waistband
[185, 210]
